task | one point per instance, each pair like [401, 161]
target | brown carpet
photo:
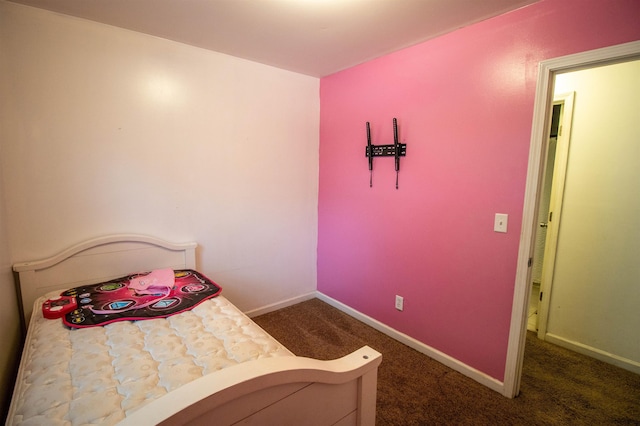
[559, 387]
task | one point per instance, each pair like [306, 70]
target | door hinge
[550, 216]
[530, 262]
[541, 296]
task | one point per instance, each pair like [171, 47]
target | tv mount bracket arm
[396, 150]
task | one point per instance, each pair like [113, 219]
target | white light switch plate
[500, 224]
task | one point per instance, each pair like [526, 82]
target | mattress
[100, 375]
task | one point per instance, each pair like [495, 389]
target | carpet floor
[558, 387]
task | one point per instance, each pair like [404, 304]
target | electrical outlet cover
[500, 224]
[399, 303]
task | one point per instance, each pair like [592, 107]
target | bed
[207, 365]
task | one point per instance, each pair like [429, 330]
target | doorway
[540, 132]
[590, 294]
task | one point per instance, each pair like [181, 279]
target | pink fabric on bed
[159, 279]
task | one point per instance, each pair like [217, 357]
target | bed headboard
[96, 260]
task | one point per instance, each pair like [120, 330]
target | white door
[549, 223]
[543, 217]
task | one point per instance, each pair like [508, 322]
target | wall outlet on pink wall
[500, 223]
[399, 303]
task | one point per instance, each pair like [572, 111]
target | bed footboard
[282, 390]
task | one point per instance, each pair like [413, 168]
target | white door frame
[539, 135]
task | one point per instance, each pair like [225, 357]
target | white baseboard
[599, 354]
[435, 354]
[279, 305]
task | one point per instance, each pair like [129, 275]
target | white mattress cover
[98, 375]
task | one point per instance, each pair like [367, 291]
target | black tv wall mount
[396, 150]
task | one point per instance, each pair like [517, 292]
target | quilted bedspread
[99, 375]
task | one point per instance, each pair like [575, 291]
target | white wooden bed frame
[280, 390]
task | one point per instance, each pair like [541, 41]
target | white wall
[105, 130]
[9, 323]
[10, 333]
[596, 291]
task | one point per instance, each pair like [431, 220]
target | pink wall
[464, 104]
